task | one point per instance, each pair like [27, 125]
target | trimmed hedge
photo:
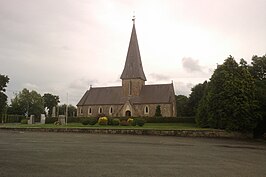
[11, 118]
[170, 119]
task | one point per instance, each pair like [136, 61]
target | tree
[229, 101]
[72, 110]
[3, 98]
[181, 105]
[50, 101]
[258, 70]
[27, 103]
[158, 111]
[195, 96]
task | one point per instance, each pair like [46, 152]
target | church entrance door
[128, 113]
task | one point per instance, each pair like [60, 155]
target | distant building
[133, 98]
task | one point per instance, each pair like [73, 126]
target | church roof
[133, 67]
[150, 94]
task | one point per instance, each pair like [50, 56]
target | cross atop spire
[134, 18]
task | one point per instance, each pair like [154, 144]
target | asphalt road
[36, 154]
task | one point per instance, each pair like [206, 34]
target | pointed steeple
[133, 67]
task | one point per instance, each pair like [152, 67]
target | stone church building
[133, 98]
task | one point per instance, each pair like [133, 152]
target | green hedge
[170, 119]
[11, 118]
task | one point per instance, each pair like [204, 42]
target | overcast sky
[64, 46]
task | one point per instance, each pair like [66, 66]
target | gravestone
[62, 119]
[31, 120]
[42, 119]
[54, 112]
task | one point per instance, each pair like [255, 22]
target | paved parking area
[69, 154]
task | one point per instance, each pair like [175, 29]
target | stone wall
[179, 133]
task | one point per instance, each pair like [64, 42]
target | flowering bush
[130, 121]
[103, 121]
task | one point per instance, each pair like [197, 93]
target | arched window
[89, 111]
[111, 110]
[80, 111]
[146, 110]
[100, 111]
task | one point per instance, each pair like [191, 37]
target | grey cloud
[159, 77]
[82, 83]
[191, 65]
[182, 88]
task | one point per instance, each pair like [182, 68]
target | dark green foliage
[72, 110]
[24, 121]
[73, 120]
[258, 69]
[195, 97]
[181, 105]
[92, 120]
[158, 111]
[170, 120]
[51, 120]
[50, 101]
[85, 121]
[139, 121]
[12, 118]
[229, 101]
[3, 98]
[115, 121]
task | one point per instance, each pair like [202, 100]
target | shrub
[130, 121]
[124, 123]
[103, 121]
[85, 121]
[51, 120]
[140, 122]
[115, 121]
[24, 121]
[92, 120]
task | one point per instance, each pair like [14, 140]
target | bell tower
[133, 77]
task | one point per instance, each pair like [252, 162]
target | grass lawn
[157, 126]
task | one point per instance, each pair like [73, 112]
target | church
[133, 98]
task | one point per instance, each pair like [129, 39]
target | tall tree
[195, 96]
[27, 103]
[258, 70]
[229, 101]
[181, 105]
[72, 110]
[3, 98]
[50, 101]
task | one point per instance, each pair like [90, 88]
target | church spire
[133, 67]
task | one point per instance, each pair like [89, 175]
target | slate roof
[133, 66]
[150, 94]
